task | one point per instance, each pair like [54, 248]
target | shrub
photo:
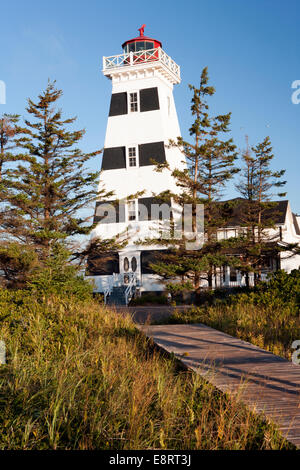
[150, 299]
[281, 289]
[17, 263]
[59, 276]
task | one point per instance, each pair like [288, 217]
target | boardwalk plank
[267, 383]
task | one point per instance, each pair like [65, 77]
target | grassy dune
[82, 377]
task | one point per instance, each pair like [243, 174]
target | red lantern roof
[141, 42]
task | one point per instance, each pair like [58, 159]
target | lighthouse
[142, 119]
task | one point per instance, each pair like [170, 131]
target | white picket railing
[108, 289]
[134, 58]
[133, 283]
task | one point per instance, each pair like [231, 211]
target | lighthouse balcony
[156, 56]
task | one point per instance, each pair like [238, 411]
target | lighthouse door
[130, 263]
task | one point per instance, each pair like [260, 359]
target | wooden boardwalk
[267, 383]
[150, 313]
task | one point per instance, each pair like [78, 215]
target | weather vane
[141, 30]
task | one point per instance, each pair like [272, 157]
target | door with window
[130, 263]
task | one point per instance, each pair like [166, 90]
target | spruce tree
[51, 186]
[259, 213]
[9, 130]
[210, 165]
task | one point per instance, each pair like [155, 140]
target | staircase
[120, 292]
[117, 296]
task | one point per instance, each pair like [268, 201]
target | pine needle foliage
[51, 186]
[211, 164]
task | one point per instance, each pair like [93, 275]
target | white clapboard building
[142, 119]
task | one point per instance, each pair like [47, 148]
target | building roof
[296, 224]
[236, 208]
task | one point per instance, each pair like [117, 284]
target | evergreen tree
[17, 263]
[259, 213]
[9, 131]
[50, 188]
[210, 165]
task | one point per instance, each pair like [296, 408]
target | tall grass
[79, 376]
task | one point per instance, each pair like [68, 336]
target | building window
[132, 156]
[133, 102]
[126, 264]
[131, 210]
[233, 275]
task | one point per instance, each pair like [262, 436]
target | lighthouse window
[131, 47]
[133, 100]
[132, 156]
[131, 210]
[149, 45]
[140, 46]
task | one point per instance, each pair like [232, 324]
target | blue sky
[251, 49]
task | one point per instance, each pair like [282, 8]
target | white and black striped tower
[142, 119]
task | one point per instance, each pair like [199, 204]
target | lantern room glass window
[149, 45]
[138, 46]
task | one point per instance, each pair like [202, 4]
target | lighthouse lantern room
[142, 120]
[141, 43]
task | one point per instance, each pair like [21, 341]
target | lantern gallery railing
[135, 58]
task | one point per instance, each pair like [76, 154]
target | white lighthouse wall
[137, 128]
[131, 130]
[147, 125]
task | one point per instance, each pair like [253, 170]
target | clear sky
[251, 48]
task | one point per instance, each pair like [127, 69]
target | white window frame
[136, 210]
[137, 100]
[136, 147]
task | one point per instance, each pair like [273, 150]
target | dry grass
[82, 377]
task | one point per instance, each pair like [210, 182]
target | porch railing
[129, 280]
[146, 56]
